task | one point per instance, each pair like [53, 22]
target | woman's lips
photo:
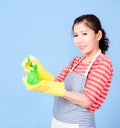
[82, 47]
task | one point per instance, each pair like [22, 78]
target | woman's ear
[99, 35]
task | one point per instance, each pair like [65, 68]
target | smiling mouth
[82, 47]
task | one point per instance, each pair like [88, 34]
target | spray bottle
[33, 77]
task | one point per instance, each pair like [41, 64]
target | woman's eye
[84, 33]
[75, 35]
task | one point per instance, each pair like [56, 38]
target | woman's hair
[94, 23]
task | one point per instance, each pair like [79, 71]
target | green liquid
[33, 77]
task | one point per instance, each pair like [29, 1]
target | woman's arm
[77, 98]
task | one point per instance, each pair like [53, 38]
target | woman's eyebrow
[79, 31]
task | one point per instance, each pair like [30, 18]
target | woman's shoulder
[104, 60]
[77, 58]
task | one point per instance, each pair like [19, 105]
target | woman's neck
[88, 58]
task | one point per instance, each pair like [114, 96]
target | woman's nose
[79, 39]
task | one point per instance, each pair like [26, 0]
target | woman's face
[85, 38]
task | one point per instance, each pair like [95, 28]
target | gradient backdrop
[43, 28]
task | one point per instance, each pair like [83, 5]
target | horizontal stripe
[99, 78]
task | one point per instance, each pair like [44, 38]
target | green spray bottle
[33, 77]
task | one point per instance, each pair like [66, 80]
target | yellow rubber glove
[50, 87]
[44, 74]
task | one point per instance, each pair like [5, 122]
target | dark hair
[94, 23]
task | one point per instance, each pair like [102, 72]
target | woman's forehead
[81, 27]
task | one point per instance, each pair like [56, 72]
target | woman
[86, 79]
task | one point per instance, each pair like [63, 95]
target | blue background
[43, 28]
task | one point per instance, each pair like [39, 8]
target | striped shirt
[98, 80]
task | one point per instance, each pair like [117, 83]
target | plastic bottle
[33, 77]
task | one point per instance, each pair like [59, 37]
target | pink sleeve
[61, 76]
[98, 81]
